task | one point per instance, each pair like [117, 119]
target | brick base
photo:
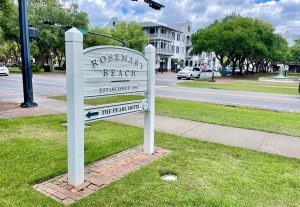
[98, 175]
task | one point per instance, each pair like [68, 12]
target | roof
[177, 26]
[154, 24]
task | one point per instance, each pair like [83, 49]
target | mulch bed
[13, 110]
[4, 106]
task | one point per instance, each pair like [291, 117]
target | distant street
[166, 87]
[50, 85]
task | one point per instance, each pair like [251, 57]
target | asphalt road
[50, 85]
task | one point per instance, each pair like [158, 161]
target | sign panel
[110, 70]
[104, 111]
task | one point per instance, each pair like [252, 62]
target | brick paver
[98, 175]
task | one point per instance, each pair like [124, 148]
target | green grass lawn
[252, 86]
[14, 70]
[241, 117]
[266, 84]
[34, 149]
[18, 70]
[256, 76]
[294, 75]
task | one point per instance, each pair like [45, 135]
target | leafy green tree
[219, 38]
[241, 41]
[295, 52]
[131, 33]
[94, 40]
[9, 25]
[9, 49]
[5, 5]
[51, 38]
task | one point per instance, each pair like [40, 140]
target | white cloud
[283, 14]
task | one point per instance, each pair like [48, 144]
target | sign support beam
[75, 103]
[149, 115]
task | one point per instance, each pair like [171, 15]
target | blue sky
[283, 14]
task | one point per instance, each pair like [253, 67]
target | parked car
[11, 64]
[189, 73]
[217, 69]
[226, 71]
[3, 70]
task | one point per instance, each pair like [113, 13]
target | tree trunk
[233, 68]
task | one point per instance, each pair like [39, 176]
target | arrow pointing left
[90, 114]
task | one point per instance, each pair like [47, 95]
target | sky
[283, 14]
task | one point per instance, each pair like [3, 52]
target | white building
[169, 44]
[173, 45]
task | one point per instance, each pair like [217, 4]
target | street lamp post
[25, 55]
[51, 62]
[213, 70]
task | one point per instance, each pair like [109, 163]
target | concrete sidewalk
[288, 146]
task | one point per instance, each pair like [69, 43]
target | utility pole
[25, 54]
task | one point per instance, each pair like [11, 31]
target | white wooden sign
[110, 70]
[105, 71]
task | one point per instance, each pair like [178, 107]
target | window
[154, 44]
[183, 38]
[173, 35]
[188, 38]
[152, 31]
[177, 49]
[178, 37]
[189, 28]
[182, 50]
[173, 48]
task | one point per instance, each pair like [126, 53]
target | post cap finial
[73, 35]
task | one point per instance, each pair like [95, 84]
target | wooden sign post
[105, 71]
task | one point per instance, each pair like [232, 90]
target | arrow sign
[93, 113]
[90, 114]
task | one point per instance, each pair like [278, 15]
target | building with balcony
[173, 45]
[170, 43]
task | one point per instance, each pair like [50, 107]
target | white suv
[3, 70]
[189, 73]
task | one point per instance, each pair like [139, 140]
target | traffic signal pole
[25, 54]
